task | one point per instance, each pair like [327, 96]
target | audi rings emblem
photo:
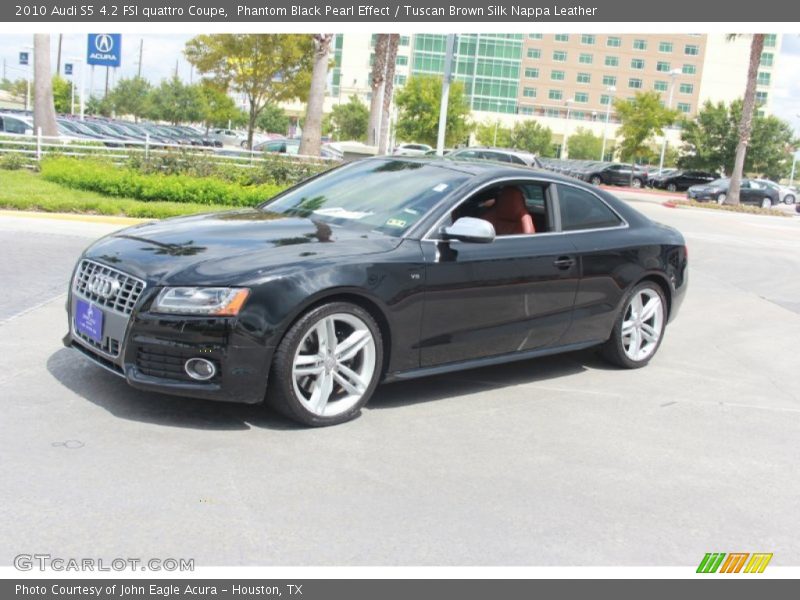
[104, 287]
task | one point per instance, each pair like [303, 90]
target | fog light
[200, 369]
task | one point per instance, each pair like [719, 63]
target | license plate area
[89, 320]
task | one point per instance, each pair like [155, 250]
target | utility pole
[58, 59]
[448, 75]
[108, 72]
[141, 50]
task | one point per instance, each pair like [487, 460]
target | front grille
[167, 366]
[108, 346]
[125, 297]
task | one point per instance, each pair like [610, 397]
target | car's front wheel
[721, 198]
[595, 180]
[637, 183]
[789, 199]
[639, 327]
[766, 203]
[327, 365]
[671, 187]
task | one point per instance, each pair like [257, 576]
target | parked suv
[752, 192]
[683, 180]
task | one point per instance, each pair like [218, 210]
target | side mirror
[470, 229]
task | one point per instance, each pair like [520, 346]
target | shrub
[120, 181]
[12, 161]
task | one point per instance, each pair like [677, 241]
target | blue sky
[162, 51]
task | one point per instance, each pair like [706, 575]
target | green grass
[23, 190]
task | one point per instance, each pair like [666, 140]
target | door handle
[564, 262]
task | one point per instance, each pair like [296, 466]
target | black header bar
[399, 11]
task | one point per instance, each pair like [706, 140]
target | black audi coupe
[382, 269]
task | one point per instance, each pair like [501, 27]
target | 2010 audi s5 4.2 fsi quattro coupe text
[382, 269]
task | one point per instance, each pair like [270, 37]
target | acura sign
[104, 49]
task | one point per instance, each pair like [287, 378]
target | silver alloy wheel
[766, 203]
[672, 187]
[596, 180]
[642, 324]
[636, 183]
[334, 364]
[789, 199]
[721, 198]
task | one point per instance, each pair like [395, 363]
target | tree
[418, 103]
[711, 139]
[266, 68]
[492, 133]
[584, 145]
[311, 141]
[219, 109]
[350, 121]
[62, 94]
[131, 96]
[376, 80]
[273, 119]
[746, 121]
[44, 112]
[532, 137]
[641, 119]
[388, 91]
[177, 102]
[98, 106]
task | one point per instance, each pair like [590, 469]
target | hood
[230, 247]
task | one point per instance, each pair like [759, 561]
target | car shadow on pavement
[112, 394]
[493, 378]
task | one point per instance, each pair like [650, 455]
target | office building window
[559, 56]
[531, 73]
[555, 94]
[640, 44]
[614, 42]
[557, 75]
[770, 40]
[584, 78]
[535, 36]
[761, 97]
[534, 53]
[635, 83]
[605, 99]
[401, 60]
[665, 47]
[581, 97]
[661, 86]
[662, 67]
[689, 70]
[637, 63]
[529, 92]
[764, 78]
[684, 107]
[586, 59]
[562, 37]
[691, 50]
[767, 59]
[588, 39]
[686, 88]
[612, 61]
[609, 80]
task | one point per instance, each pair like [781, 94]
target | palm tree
[388, 90]
[44, 111]
[377, 78]
[312, 131]
[746, 122]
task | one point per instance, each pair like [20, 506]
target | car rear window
[581, 210]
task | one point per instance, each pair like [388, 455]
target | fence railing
[34, 148]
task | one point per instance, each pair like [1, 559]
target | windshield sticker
[440, 188]
[338, 212]
[395, 223]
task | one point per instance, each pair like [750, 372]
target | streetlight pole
[611, 91]
[496, 124]
[794, 162]
[673, 74]
[448, 76]
[564, 153]
[28, 78]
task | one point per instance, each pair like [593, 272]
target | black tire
[671, 187]
[637, 183]
[789, 199]
[595, 180]
[613, 350]
[281, 395]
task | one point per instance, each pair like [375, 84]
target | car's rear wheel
[671, 187]
[639, 327]
[789, 199]
[721, 198]
[596, 180]
[636, 183]
[766, 203]
[327, 365]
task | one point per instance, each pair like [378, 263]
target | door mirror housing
[470, 229]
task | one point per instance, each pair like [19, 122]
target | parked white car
[411, 150]
[786, 194]
[15, 125]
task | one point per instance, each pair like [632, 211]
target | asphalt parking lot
[556, 461]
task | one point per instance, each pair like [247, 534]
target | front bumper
[149, 351]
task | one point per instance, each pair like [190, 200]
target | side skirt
[488, 361]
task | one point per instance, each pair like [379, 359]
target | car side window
[581, 210]
[515, 159]
[14, 126]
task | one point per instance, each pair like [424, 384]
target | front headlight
[217, 301]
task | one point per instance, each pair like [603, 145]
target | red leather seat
[509, 215]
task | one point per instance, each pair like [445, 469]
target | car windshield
[387, 196]
[719, 182]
